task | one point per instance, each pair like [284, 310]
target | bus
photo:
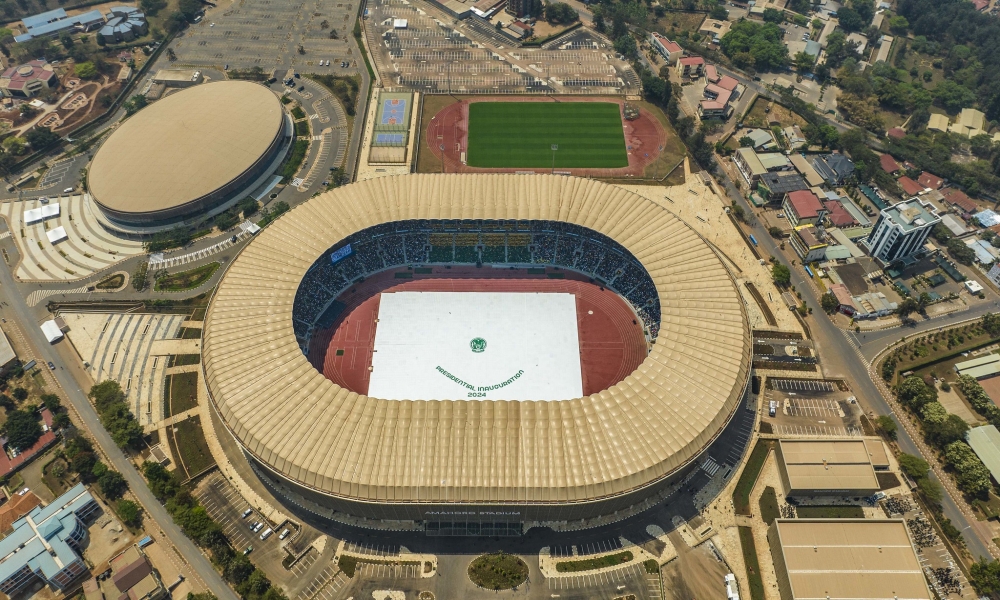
[753, 240]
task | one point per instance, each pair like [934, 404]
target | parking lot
[813, 408]
[267, 34]
[324, 586]
[379, 571]
[226, 507]
[437, 53]
[631, 578]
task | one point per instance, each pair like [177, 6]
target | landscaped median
[349, 562]
[567, 566]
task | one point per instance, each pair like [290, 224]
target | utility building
[831, 467]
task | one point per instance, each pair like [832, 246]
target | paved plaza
[119, 346]
[87, 249]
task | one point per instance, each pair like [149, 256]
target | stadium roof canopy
[185, 147]
[355, 447]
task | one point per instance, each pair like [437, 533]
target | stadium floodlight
[554, 148]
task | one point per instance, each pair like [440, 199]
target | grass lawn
[111, 283]
[588, 135]
[741, 495]
[498, 571]
[179, 360]
[591, 564]
[186, 280]
[930, 353]
[830, 512]
[753, 566]
[183, 392]
[191, 446]
[769, 510]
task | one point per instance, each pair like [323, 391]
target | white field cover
[476, 346]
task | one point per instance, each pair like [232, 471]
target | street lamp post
[441, 146]
[554, 148]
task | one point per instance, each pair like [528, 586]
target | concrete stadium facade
[484, 461]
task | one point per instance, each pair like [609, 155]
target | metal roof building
[830, 467]
[846, 559]
[531, 461]
[187, 153]
[985, 442]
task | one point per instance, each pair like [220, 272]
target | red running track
[612, 344]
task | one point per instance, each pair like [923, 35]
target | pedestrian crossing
[710, 466]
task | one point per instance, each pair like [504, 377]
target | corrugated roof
[977, 362]
[850, 559]
[806, 170]
[829, 464]
[985, 442]
[309, 429]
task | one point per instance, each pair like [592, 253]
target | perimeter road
[155, 511]
[833, 338]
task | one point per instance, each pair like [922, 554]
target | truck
[145, 541]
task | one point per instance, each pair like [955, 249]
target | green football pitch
[521, 134]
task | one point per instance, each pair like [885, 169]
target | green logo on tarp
[478, 345]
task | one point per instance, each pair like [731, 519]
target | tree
[85, 70]
[907, 307]
[41, 138]
[953, 96]
[129, 512]
[951, 429]
[829, 302]
[51, 402]
[757, 45]
[113, 485]
[23, 429]
[560, 12]
[985, 577]
[775, 232]
[135, 103]
[83, 463]
[625, 45]
[745, 142]
[991, 323]
[899, 25]
[972, 476]
[773, 15]
[719, 13]
[849, 19]
[14, 145]
[781, 275]
[804, 61]
[914, 466]
[20, 394]
[887, 425]
[803, 7]
[931, 489]
[914, 393]
[960, 252]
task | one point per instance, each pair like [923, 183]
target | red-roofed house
[690, 66]
[27, 80]
[838, 215]
[896, 133]
[910, 187]
[889, 164]
[670, 50]
[714, 92]
[714, 109]
[958, 198]
[844, 299]
[802, 207]
[980, 5]
[729, 83]
[930, 180]
[711, 73]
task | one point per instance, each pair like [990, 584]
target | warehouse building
[980, 368]
[831, 467]
[846, 559]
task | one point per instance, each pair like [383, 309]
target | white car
[267, 533]
[283, 535]
[257, 528]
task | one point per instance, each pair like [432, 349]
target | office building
[901, 230]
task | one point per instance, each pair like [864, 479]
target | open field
[586, 134]
[183, 392]
[187, 440]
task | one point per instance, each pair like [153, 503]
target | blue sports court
[393, 111]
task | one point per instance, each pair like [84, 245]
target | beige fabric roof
[839, 559]
[185, 146]
[342, 443]
[828, 464]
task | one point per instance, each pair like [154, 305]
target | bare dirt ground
[695, 573]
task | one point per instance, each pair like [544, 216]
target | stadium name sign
[480, 390]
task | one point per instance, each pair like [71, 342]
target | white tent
[51, 331]
[33, 215]
[50, 210]
[55, 235]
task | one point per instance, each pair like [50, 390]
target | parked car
[52, 366]
[247, 512]
[283, 535]
[247, 550]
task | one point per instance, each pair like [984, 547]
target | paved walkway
[87, 249]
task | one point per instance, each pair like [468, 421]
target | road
[155, 512]
[835, 344]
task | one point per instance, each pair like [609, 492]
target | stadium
[536, 348]
[188, 153]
